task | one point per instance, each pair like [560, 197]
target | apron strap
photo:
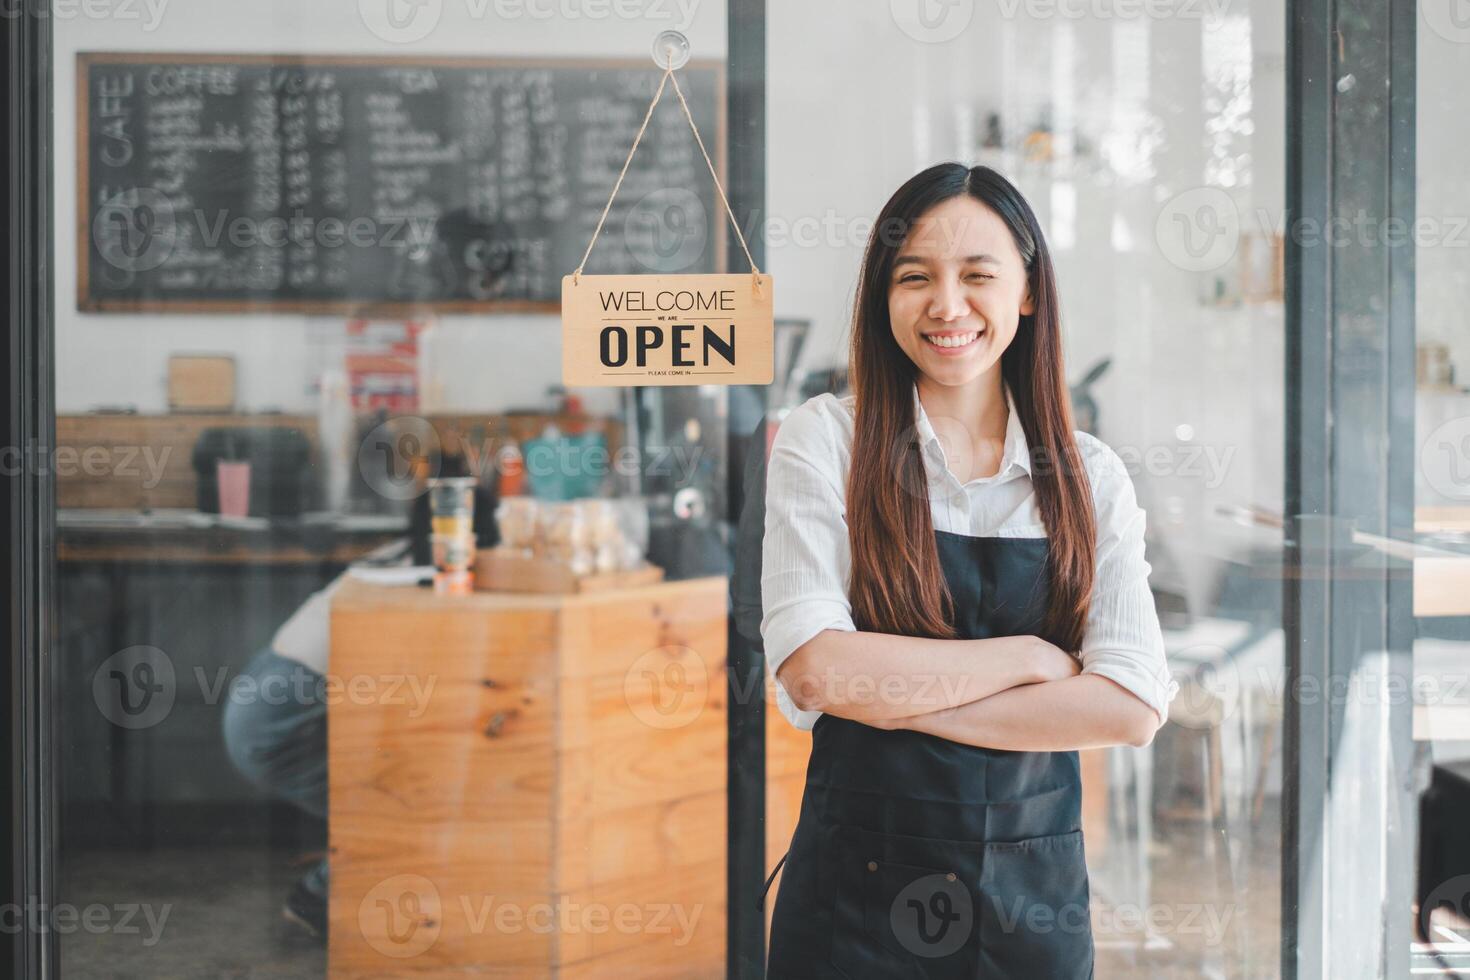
[761, 904]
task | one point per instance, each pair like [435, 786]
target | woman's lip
[953, 351]
[950, 333]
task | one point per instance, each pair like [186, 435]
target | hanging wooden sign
[667, 330]
[713, 329]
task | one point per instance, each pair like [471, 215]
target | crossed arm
[1018, 692]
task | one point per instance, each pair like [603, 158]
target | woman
[955, 600]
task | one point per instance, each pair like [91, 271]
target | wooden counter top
[356, 595]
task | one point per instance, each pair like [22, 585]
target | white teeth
[958, 340]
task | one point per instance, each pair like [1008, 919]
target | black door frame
[1350, 457]
[27, 579]
[745, 949]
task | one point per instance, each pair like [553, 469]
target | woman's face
[957, 291]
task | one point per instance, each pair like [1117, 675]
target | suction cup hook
[670, 50]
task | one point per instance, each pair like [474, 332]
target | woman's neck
[970, 421]
[979, 406]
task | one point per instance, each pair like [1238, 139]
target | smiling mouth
[952, 341]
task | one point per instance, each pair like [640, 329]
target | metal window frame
[27, 579]
[745, 802]
[1350, 454]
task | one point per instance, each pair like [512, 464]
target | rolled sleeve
[1122, 640]
[805, 557]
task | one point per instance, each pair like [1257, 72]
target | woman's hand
[1045, 662]
[917, 723]
[1051, 663]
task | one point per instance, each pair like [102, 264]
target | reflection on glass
[1152, 149]
[310, 721]
[1441, 723]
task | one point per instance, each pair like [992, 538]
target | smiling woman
[894, 556]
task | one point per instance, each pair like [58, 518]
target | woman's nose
[948, 302]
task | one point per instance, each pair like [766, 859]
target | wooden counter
[552, 802]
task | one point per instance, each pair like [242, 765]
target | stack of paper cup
[452, 514]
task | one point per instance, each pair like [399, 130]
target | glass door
[279, 275]
[375, 650]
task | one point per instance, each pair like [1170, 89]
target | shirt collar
[1015, 456]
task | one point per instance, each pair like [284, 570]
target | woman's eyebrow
[916, 260]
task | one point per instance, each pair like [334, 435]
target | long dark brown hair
[897, 584]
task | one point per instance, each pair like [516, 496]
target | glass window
[381, 651]
[1151, 148]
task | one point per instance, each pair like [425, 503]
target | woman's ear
[1028, 307]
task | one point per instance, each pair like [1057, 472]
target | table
[179, 536]
[551, 802]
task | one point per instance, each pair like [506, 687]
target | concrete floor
[224, 920]
[223, 917]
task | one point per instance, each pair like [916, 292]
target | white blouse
[806, 564]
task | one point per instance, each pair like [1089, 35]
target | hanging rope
[669, 77]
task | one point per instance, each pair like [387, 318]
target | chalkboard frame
[87, 303]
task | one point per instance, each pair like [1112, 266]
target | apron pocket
[1034, 917]
[904, 906]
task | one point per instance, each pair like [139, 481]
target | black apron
[918, 857]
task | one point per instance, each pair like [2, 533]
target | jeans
[275, 730]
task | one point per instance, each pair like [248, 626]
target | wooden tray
[497, 570]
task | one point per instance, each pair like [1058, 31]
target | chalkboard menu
[355, 184]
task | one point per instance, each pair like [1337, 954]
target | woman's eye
[911, 277]
[978, 275]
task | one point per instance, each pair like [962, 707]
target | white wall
[488, 362]
[858, 105]
[1442, 259]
